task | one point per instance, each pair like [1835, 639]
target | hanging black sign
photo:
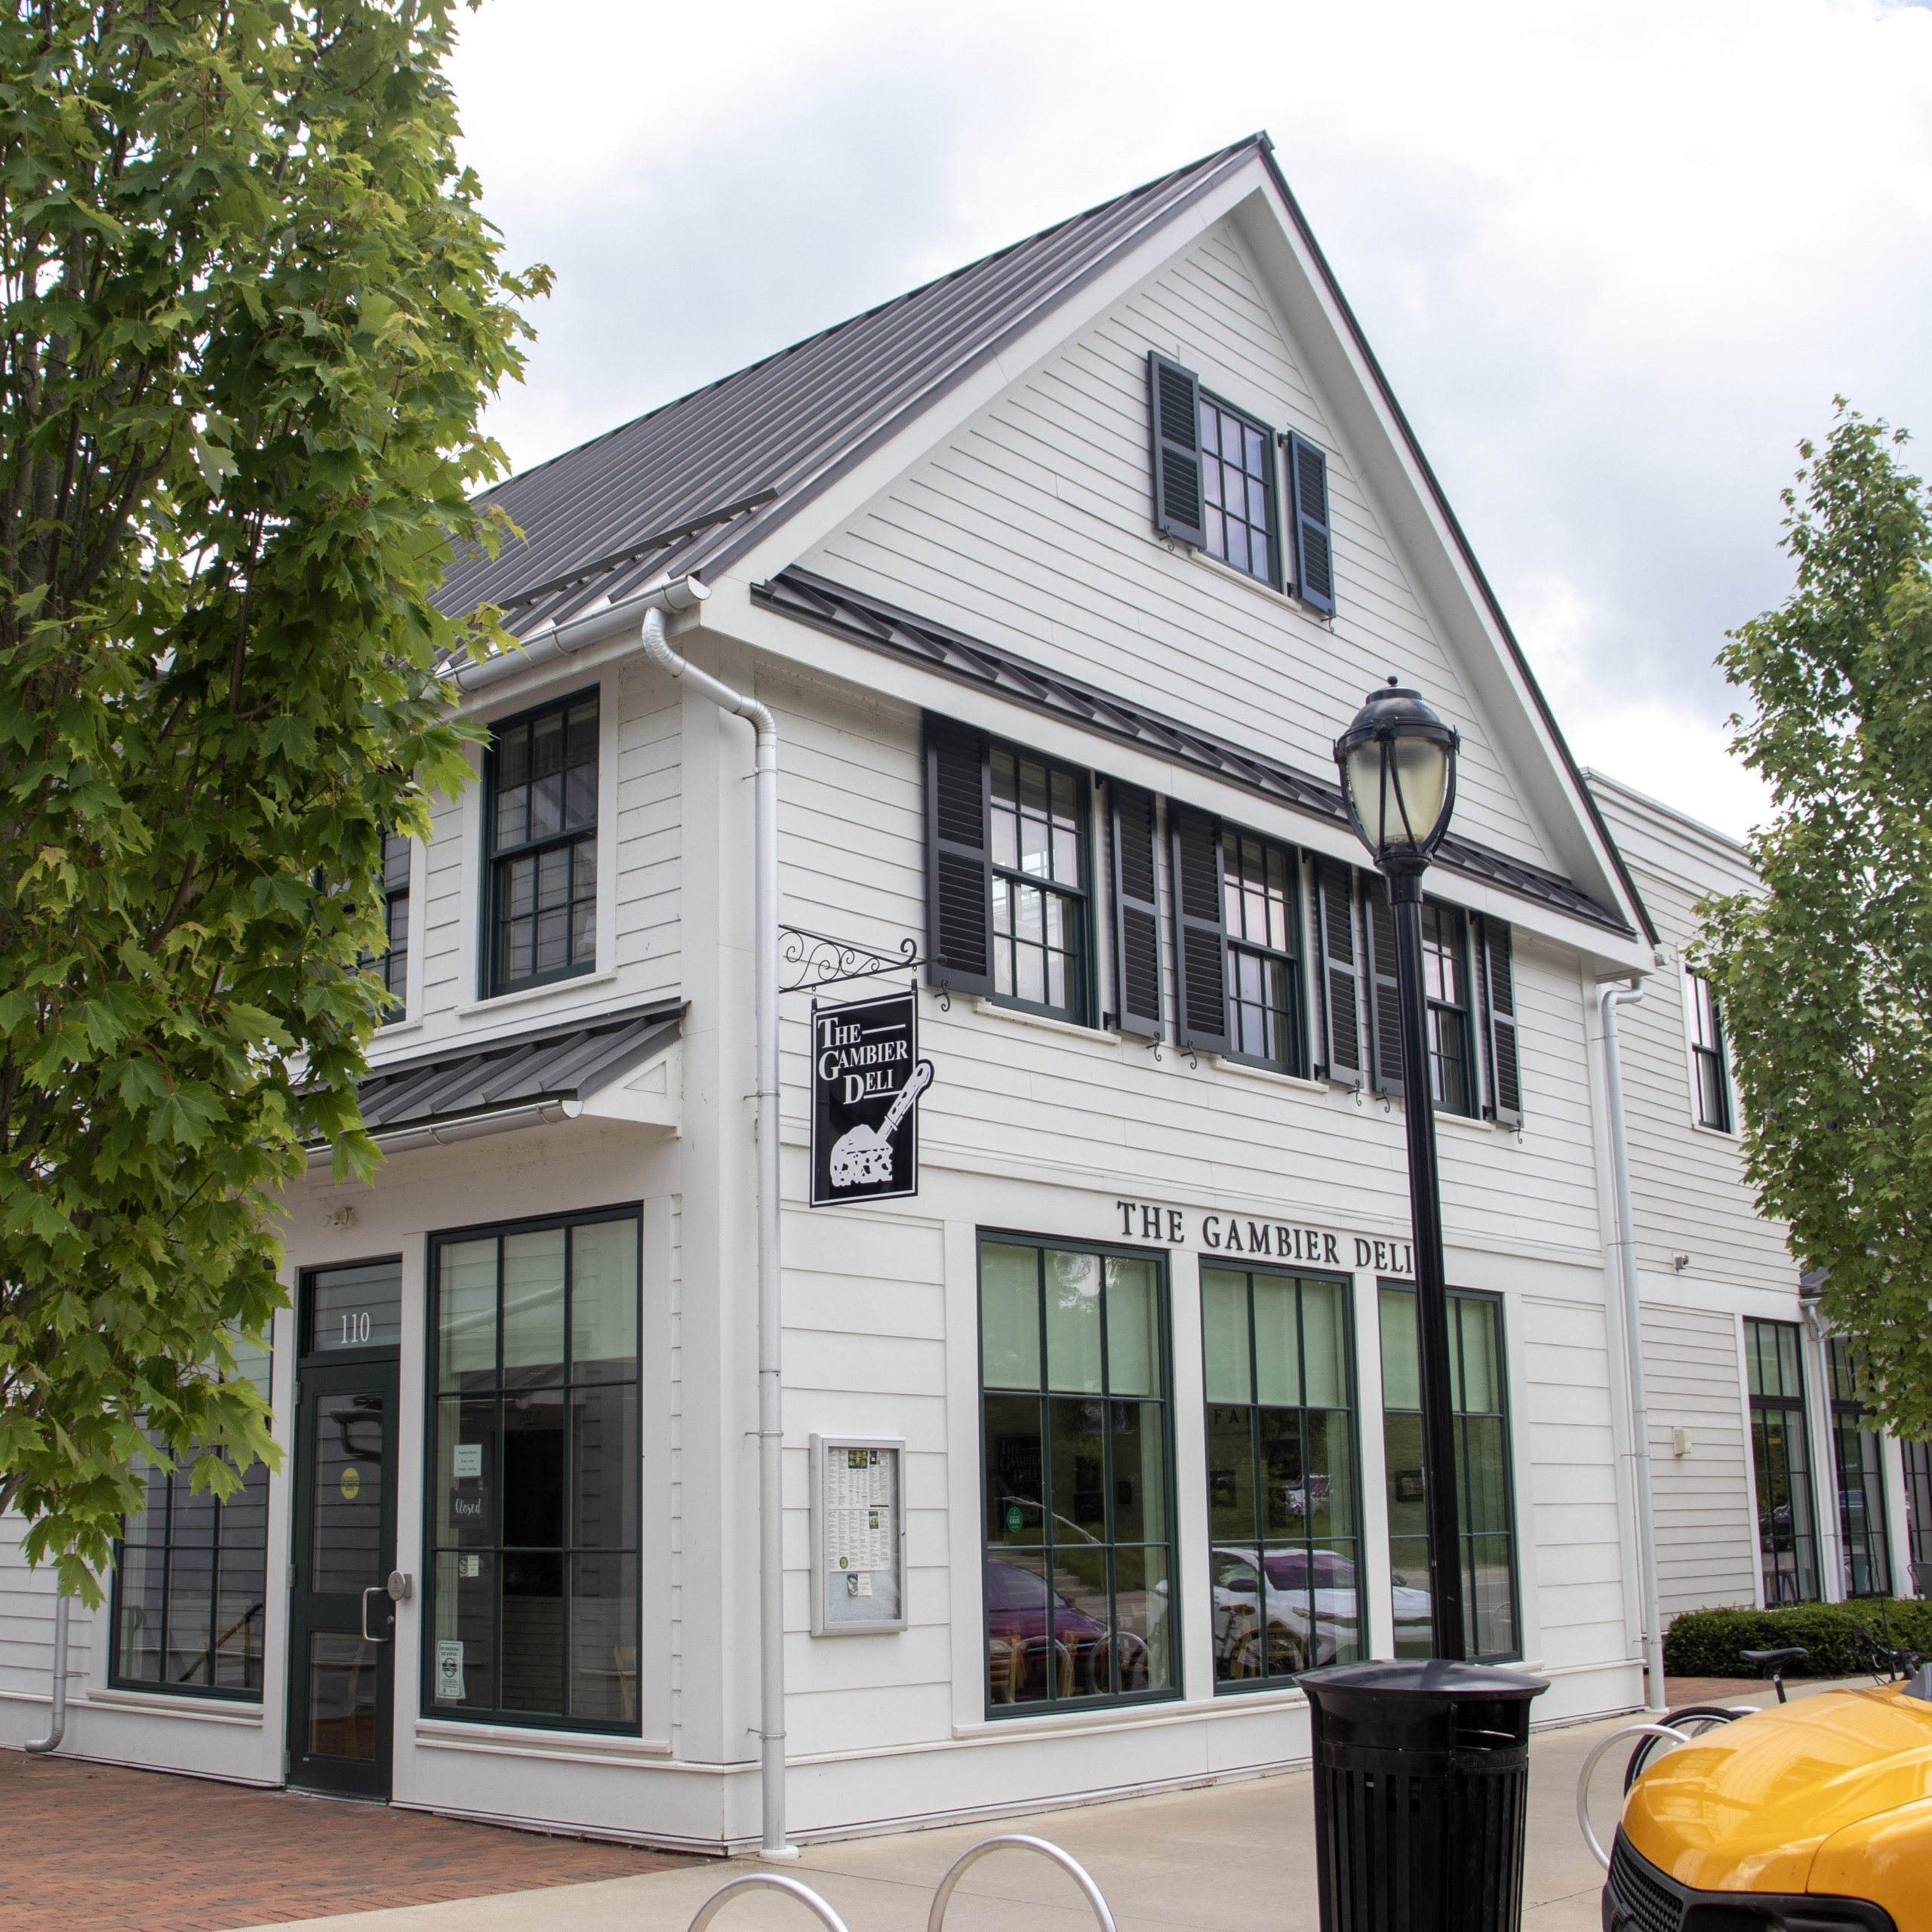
[867, 1077]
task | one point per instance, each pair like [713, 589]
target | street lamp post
[1397, 763]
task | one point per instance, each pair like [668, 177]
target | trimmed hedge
[1706, 1643]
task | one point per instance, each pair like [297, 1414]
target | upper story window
[542, 803]
[1008, 899]
[1260, 909]
[1238, 490]
[1446, 981]
[1707, 1056]
[393, 966]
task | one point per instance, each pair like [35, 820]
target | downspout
[1608, 1001]
[770, 1435]
[56, 1727]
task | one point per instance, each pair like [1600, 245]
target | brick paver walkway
[113, 1850]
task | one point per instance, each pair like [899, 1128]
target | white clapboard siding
[1032, 529]
[650, 821]
[1687, 1186]
[1562, 1430]
[1703, 1501]
[26, 1623]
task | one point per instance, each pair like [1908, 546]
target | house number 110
[354, 1328]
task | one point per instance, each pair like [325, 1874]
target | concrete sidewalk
[1206, 1860]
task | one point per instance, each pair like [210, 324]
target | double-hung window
[393, 966]
[1446, 981]
[1859, 1455]
[1284, 1556]
[1077, 1448]
[1707, 1055]
[1238, 487]
[542, 808]
[534, 1474]
[1008, 893]
[1918, 1511]
[1781, 1462]
[191, 1580]
[1484, 1509]
[1264, 918]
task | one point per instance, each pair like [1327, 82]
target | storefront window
[1484, 1508]
[190, 1579]
[1280, 1475]
[1918, 1513]
[533, 1502]
[1781, 1462]
[1078, 1447]
[1861, 1473]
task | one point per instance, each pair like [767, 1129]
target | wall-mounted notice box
[858, 1535]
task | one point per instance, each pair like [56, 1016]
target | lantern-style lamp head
[1398, 762]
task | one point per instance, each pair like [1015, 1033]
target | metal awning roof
[473, 1085]
[815, 600]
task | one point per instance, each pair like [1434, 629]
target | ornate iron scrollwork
[817, 959]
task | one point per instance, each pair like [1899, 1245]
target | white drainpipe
[56, 1727]
[1609, 1000]
[770, 1435]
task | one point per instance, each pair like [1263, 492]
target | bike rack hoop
[1590, 1764]
[769, 1881]
[1020, 1842]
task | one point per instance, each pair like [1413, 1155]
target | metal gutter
[407, 1138]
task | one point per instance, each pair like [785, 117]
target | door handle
[374, 1590]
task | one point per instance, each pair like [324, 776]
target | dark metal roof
[815, 600]
[690, 484]
[562, 1063]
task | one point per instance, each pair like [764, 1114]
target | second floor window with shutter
[394, 965]
[1446, 982]
[1264, 963]
[542, 807]
[1707, 1056]
[1238, 490]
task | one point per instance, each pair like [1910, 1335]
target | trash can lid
[1430, 1676]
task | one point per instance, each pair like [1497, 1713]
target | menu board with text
[858, 1536]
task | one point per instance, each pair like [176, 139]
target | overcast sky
[1617, 260]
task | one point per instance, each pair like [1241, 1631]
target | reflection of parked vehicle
[1294, 1611]
[1027, 1660]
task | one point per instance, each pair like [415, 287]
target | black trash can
[1422, 1784]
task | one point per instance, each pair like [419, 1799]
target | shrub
[1706, 1643]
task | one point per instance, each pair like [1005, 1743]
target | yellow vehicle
[1811, 1816]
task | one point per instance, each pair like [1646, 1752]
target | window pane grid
[1781, 1464]
[535, 1472]
[1446, 985]
[1284, 1553]
[1238, 490]
[543, 816]
[1713, 1094]
[1039, 883]
[1077, 1528]
[1484, 1501]
[1858, 1459]
[1258, 884]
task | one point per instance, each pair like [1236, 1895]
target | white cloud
[1617, 260]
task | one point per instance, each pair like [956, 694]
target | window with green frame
[1484, 1507]
[1858, 1454]
[534, 1474]
[1781, 1463]
[1262, 911]
[1284, 1553]
[541, 815]
[191, 1578]
[1077, 1455]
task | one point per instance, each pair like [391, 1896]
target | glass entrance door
[342, 1621]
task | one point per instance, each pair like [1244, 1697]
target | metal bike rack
[766, 1881]
[1020, 1842]
[1590, 1764]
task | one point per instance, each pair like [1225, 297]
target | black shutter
[1499, 1020]
[1136, 912]
[1341, 997]
[958, 879]
[1200, 947]
[1315, 556]
[1386, 1008]
[1173, 397]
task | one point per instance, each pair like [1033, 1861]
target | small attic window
[1238, 490]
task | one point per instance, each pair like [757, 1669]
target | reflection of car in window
[1293, 1609]
[1031, 1661]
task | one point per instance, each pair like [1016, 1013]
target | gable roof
[693, 486]
[684, 487]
